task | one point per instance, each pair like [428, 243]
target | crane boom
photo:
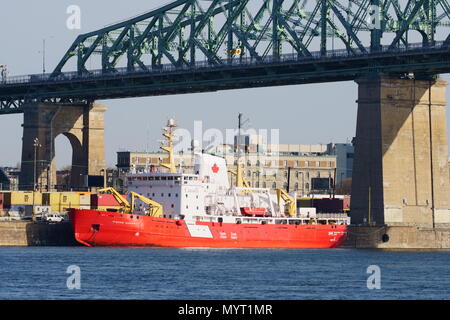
[121, 200]
[290, 201]
[244, 182]
[156, 209]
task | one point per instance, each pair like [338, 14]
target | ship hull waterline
[111, 229]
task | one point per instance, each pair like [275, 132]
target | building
[304, 169]
[344, 153]
[9, 178]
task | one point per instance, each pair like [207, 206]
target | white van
[53, 217]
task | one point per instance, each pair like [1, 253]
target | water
[193, 274]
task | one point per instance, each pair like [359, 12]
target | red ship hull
[112, 229]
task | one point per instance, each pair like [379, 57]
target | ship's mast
[240, 166]
[168, 146]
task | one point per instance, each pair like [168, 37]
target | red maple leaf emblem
[215, 168]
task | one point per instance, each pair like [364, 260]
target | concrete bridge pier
[401, 172]
[83, 125]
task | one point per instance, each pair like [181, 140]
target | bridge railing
[235, 62]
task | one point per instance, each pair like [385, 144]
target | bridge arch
[67, 143]
[82, 125]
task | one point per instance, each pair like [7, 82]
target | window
[274, 185]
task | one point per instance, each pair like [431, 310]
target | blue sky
[305, 114]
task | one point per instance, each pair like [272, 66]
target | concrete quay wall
[21, 234]
[397, 237]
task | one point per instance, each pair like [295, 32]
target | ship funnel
[212, 168]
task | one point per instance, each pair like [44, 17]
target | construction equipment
[289, 201]
[155, 209]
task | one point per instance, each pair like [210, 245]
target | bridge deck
[288, 69]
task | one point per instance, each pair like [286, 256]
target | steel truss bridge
[191, 46]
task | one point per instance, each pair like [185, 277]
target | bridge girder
[202, 42]
[218, 30]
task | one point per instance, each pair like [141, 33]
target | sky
[304, 114]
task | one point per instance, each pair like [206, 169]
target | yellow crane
[121, 200]
[156, 209]
[288, 200]
[240, 180]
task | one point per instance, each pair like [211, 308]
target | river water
[206, 274]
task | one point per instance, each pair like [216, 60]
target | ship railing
[321, 219]
[332, 215]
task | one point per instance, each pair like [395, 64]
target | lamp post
[36, 145]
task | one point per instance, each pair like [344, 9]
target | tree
[345, 187]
